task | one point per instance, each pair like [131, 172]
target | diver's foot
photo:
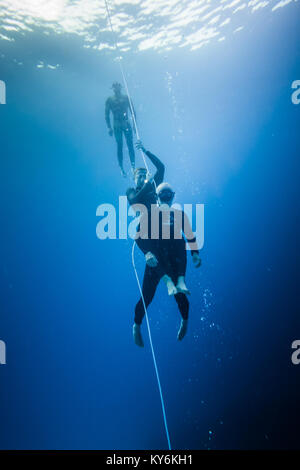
[172, 289]
[182, 330]
[181, 287]
[183, 290]
[137, 335]
[170, 285]
[123, 173]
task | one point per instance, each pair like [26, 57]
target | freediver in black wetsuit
[165, 259]
[172, 224]
[119, 105]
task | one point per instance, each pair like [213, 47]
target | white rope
[152, 350]
[133, 246]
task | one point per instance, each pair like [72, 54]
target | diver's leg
[137, 335]
[148, 245]
[183, 305]
[180, 261]
[163, 257]
[119, 139]
[150, 283]
[128, 136]
[177, 256]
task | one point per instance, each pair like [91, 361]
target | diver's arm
[191, 239]
[160, 167]
[138, 197]
[107, 113]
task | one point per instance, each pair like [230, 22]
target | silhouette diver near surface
[165, 258]
[119, 105]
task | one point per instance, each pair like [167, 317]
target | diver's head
[140, 174]
[165, 193]
[116, 86]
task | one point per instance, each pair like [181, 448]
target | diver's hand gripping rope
[133, 246]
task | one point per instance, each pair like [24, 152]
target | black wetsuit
[147, 196]
[119, 105]
[172, 250]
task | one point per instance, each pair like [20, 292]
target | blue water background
[222, 121]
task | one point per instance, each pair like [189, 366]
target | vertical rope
[153, 353]
[133, 246]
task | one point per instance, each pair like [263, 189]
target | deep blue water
[222, 120]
